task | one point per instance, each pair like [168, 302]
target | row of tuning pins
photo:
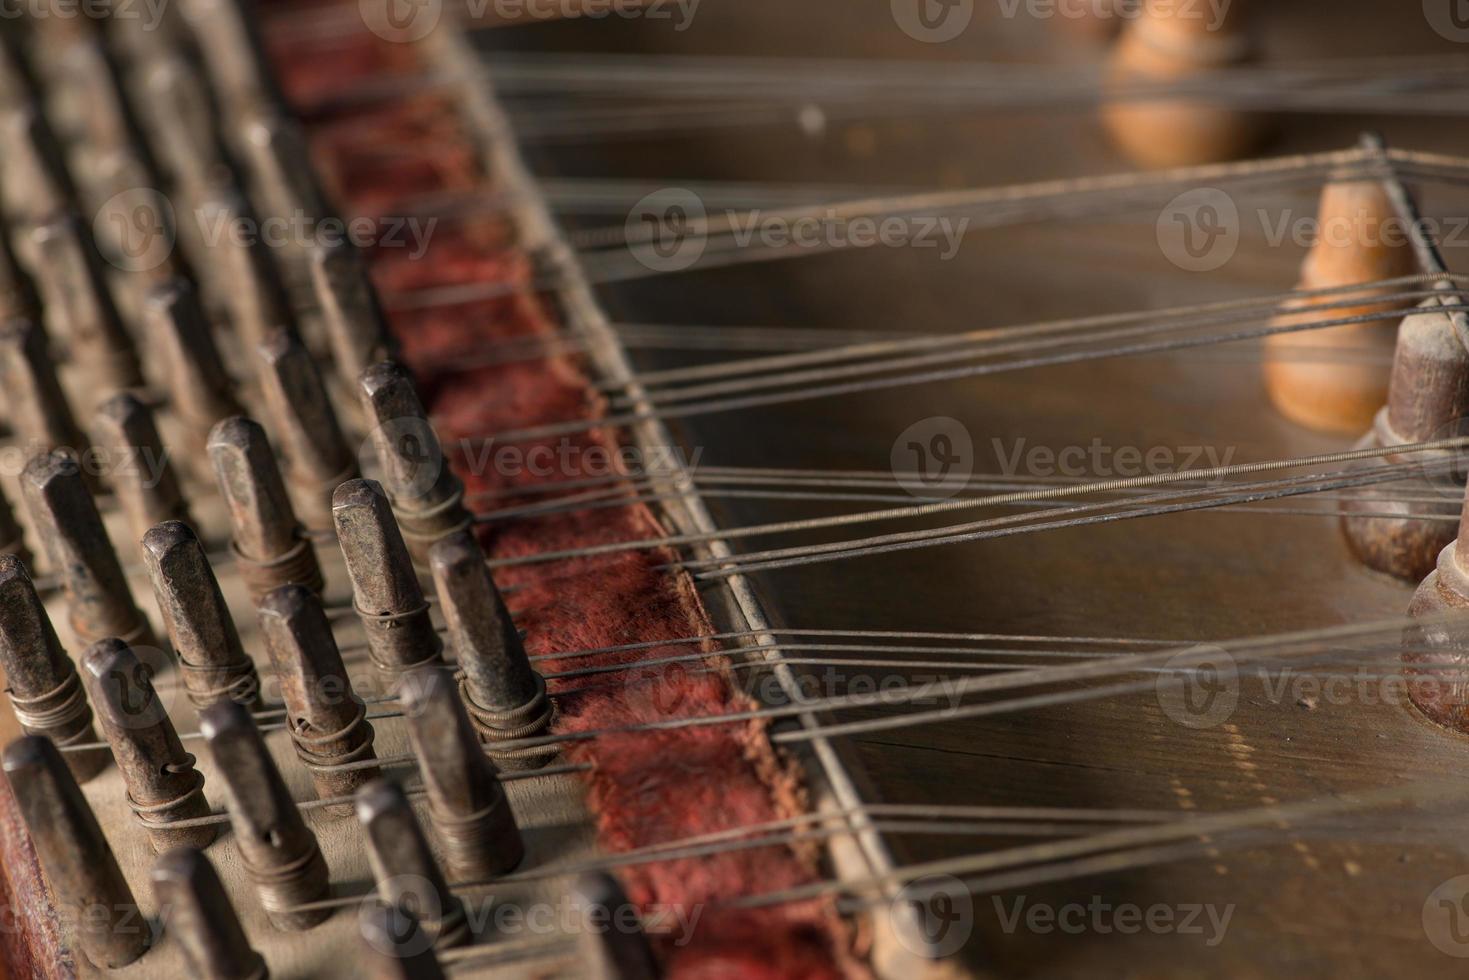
[75, 145]
[412, 918]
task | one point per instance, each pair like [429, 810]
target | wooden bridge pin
[610, 938]
[163, 786]
[1428, 400]
[270, 548]
[406, 873]
[37, 406]
[504, 695]
[327, 720]
[356, 326]
[44, 688]
[1356, 245]
[427, 497]
[396, 946]
[87, 886]
[65, 519]
[467, 806]
[200, 390]
[318, 459]
[138, 466]
[385, 589]
[1171, 43]
[197, 914]
[213, 662]
[279, 852]
[74, 289]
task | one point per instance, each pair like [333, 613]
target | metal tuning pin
[234, 55]
[504, 695]
[37, 406]
[427, 497]
[65, 519]
[163, 786]
[270, 547]
[87, 886]
[283, 184]
[182, 117]
[74, 290]
[34, 181]
[356, 327]
[318, 459]
[385, 589]
[197, 914]
[18, 297]
[467, 806]
[327, 720]
[138, 466]
[404, 868]
[249, 285]
[278, 851]
[211, 658]
[42, 683]
[12, 535]
[610, 937]
[200, 390]
[397, 948]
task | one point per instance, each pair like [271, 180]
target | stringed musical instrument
[912, 489]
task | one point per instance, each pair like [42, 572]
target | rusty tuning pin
[467, 806]
[200, 391]
[65, 517]
[214, 664]
[163, 786]
[44, 688]
[138, 465]
[269, 544]
[279, 852]
[427, 497]
[87, 886]
[397, 948]
[385, 588]
[197, 914]
[356, 327]
[610, 937]
[505, 696]
[327, 720]
[403, 866]
[318, 459]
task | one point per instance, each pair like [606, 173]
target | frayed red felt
[644, 788]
